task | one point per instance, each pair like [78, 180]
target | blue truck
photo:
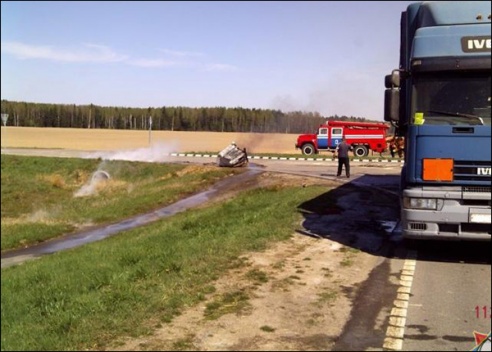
[439, 101]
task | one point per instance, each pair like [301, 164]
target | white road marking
[397, 320]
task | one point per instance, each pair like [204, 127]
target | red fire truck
[363, 136]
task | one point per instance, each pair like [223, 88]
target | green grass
[350, 254]
[257, 276]
[267, 328]
[127, 285]
[328, 296]
[231, 302]
[184, 343]
[38, 200]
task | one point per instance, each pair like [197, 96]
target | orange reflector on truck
[437, 170]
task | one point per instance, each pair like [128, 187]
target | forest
[171, 118]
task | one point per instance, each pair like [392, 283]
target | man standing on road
[343, 159]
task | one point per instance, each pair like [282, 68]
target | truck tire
[308, 149]
[361, 150]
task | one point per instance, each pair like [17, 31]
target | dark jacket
[343, 148]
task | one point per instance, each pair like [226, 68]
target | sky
[328, 57]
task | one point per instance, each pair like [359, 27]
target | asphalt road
[450, 296]
[431, 296]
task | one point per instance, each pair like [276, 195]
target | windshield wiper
[457, 114]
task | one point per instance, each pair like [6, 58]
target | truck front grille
[472, 171]
[476, 189]
[418, 226]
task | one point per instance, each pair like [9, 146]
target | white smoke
[38, 216]
[90, 188]
[158, 152]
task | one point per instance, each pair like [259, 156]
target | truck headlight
[420, 203]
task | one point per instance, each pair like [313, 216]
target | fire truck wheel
[360, 151]
[308, 149]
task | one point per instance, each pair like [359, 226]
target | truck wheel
[361, 150]
[308, 149]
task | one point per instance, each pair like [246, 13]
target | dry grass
[181, 142]
[55, 180]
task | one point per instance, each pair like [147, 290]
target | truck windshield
[451, 99]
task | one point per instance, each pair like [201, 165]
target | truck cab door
[336, 136]
[323, 138]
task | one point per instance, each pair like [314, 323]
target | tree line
[170, 118]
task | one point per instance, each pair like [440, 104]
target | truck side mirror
[392, 80]
[391, 104]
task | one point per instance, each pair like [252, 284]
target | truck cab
[329, 137]
[439, 100]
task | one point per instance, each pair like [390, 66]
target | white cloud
[220, 67]
[94, 53]
[152, 63]
[180, 53]
[86, 53]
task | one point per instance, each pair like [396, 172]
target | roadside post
[150, 130]
[4, 121]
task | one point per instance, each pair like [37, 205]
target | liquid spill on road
[73, 240]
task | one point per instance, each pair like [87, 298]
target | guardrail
[398, 161]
